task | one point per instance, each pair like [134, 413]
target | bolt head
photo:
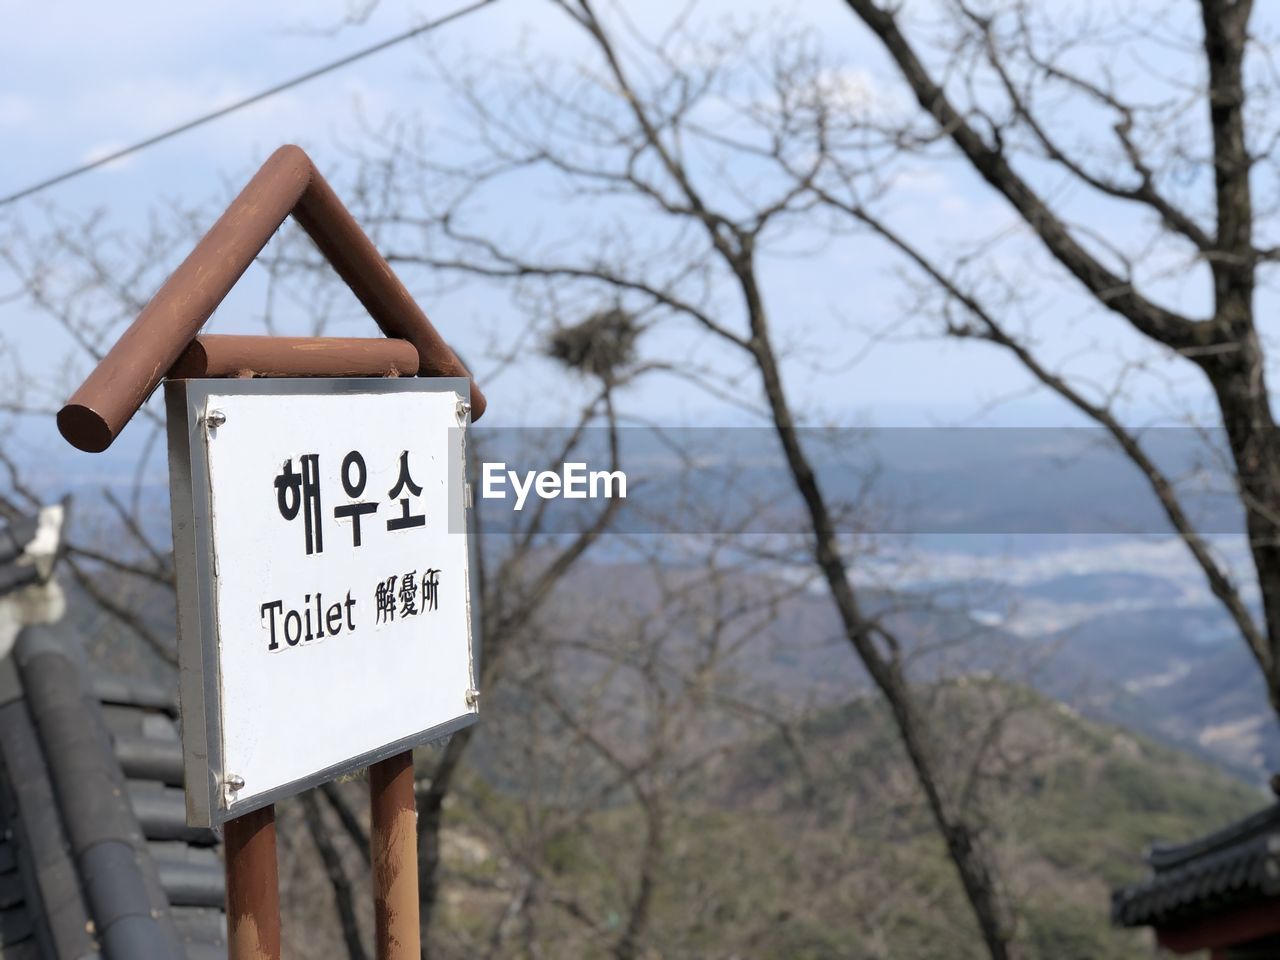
[234, 781]
[473, 696]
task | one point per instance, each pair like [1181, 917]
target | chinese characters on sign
[388, 593]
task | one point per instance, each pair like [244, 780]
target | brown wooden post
[253, 886]
[393, 816]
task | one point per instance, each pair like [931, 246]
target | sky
[77, 81]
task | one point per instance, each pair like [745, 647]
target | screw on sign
[218, 569]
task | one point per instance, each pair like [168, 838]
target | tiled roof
[1234, 866]
[96, 859]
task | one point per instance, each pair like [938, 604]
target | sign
[324, 606]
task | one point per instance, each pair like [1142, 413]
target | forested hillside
[810, 844]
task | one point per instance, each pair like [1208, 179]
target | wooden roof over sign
[288, 183]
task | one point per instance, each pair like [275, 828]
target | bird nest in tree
[601, 345]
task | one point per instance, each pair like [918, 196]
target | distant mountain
[1104, 587]
[1116, 647]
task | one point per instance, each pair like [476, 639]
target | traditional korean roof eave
[96, 860]
[1234, 866]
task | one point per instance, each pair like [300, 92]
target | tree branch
[1115, 292]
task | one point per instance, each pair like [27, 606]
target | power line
[247, 101]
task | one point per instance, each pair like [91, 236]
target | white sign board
[324, 603]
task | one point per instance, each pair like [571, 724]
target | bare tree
[639, 127]
[995, 83]
[612, 714]
[513, 587]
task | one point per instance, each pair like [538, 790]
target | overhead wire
[245, 102]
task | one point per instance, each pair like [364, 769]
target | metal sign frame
[194, 560]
